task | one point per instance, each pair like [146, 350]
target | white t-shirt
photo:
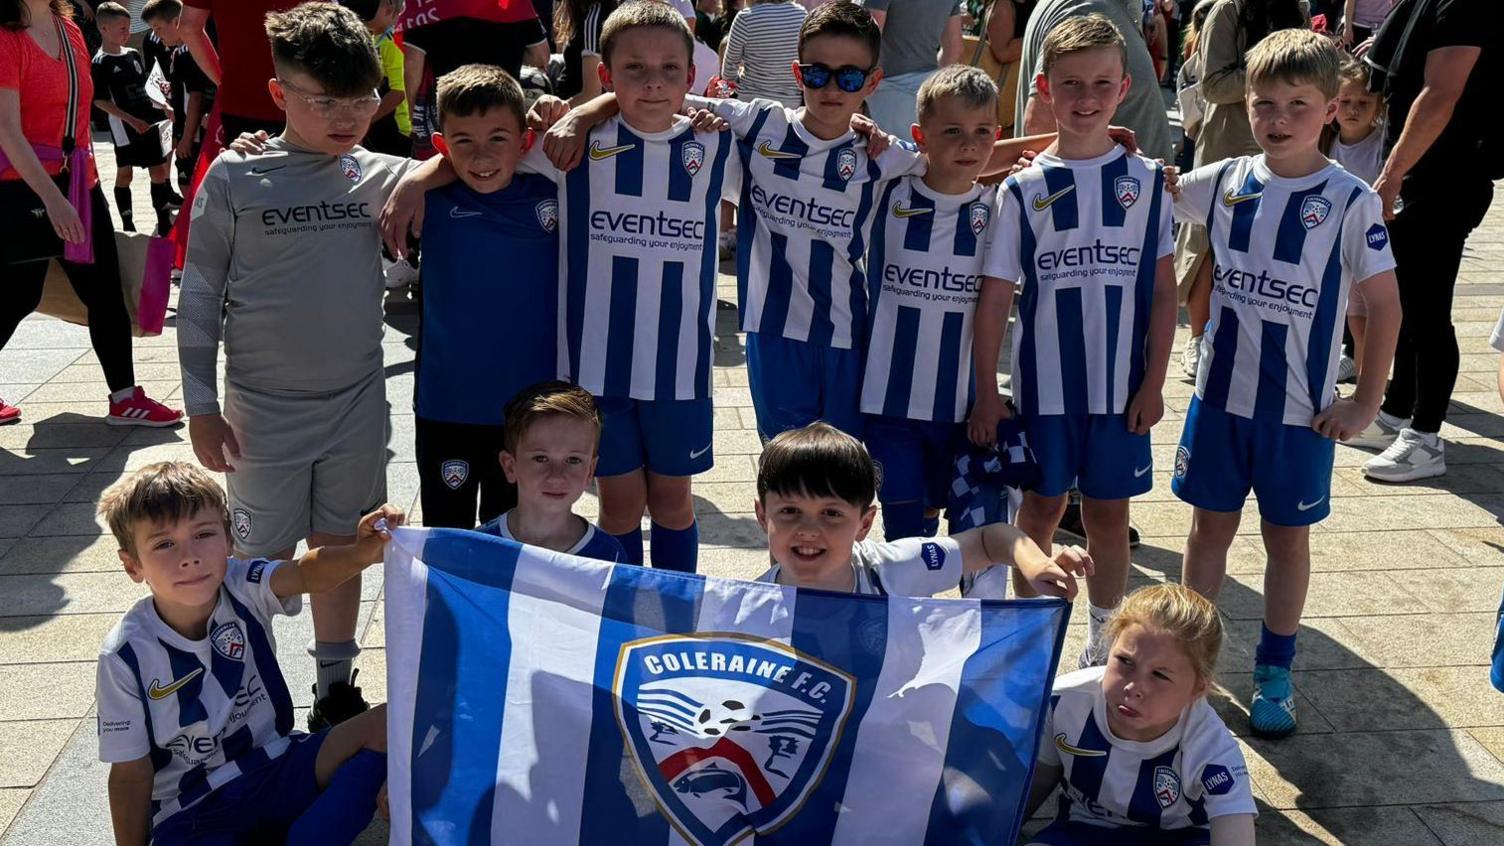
[204, 710]
[908, 567]
[1364, 159]
[1191, 775]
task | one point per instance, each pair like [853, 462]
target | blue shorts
[668, 437]
[917, 457]
[273, 796]
[1094, 453]
[794, 384]
[1066, 833]
[1222, 457]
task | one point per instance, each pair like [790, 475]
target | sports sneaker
[400, 274]
[1272, 711]
[1071, 523]
[1413, 455]
[343, 702]
[1379, 434]
[140, 410]
[9, 413]
[1190, 357]
[1093, 654]
[1347, 369]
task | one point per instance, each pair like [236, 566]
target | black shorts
[458, 464]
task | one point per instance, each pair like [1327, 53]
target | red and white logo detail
[846, 164]
[350, 167]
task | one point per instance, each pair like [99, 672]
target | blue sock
[346, 806]
[903, 520]
[1274, 649]
[676, 549]
[632, 543]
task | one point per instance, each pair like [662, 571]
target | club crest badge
[1166, 786]
[228, 640]
[548, 215]
[349, 167]
[1182, 461]
[979, 216]
[1313, 211]
[846, 164]
[1126, 189]
[692, 156]
[241, 521]
[730, 734]
[454, 473]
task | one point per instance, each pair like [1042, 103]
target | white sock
[1096, 618]
[333, 662]
[123, 394]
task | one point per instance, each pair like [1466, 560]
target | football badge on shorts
[1166, 786]
[1182, 461]
[979, 215]
[1126, 189]
[548, 215]
[1313, 211]
[228, 640]
[454, 473]
[730, 733]
[349, 167]
[692, 156]
[240, 519]
[846, 164]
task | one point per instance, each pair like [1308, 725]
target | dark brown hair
[327, 42]
[14, 15]
[473, 89]
[638, 14]
[842, 18]
[818, 460]
[547, 399]
[167, 491]
[161, 10]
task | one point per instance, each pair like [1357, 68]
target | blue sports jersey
[926, 264]
[639, 219]
[1285, 255]
[593, 544]
[807, 207]
[1084, 238]
[490, 298]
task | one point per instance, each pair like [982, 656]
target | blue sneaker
[1272, 712]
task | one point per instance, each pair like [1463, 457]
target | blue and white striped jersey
[205, 711]
[806, 213]
[926, 265]
[1286, 253]
[639, 219]
[1188, 777]
[915, 567]
[594, 543]
[1083, 238]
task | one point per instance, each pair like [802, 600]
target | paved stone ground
[1401, 742]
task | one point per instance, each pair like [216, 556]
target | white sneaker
[1347, 369]
[1190, 357]
[400, 274]
[1413, 455]
[1380, 434]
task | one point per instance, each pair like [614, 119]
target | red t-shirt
[245, 57]
[42, 82]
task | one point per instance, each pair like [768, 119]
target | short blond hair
[158, 493]
[638, 14]
[547, 399]
[1078, 34]
[1181, 613]
[1296, 56]
[970, 85]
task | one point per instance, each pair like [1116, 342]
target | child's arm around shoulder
[1003, 543]
[328, 567]
[403, 212]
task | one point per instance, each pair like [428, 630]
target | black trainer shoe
[342, 703]
[1071, 524]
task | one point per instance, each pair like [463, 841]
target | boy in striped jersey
[1087, 233]
[1291, 234]
[926, 266]
[195, 718]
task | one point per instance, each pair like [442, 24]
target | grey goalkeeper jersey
[284, 263]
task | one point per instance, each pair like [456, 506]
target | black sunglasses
[849, 78]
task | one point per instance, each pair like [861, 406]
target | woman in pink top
[38, 42]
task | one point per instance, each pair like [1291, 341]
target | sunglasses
[849, 78]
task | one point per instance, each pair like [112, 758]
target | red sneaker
[9, 413]
[140, 410]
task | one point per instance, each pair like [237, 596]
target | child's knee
[1109, 516]
[1287, 544]
[1045, 507]
[669, 499]
[1214, 527]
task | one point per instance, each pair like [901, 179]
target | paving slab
[1382, 826]
[1353, 769]
[46, 691]
[28, 747]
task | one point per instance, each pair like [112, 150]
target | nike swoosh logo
[1307, 506]
[156, 691]
[1140, 471]
[262, 171]
[696, 453]
[458, 213]
[767, 151]
[900, 211]
[1076, 750]
[600, 154]
[1232, 199]
[1041, 202]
